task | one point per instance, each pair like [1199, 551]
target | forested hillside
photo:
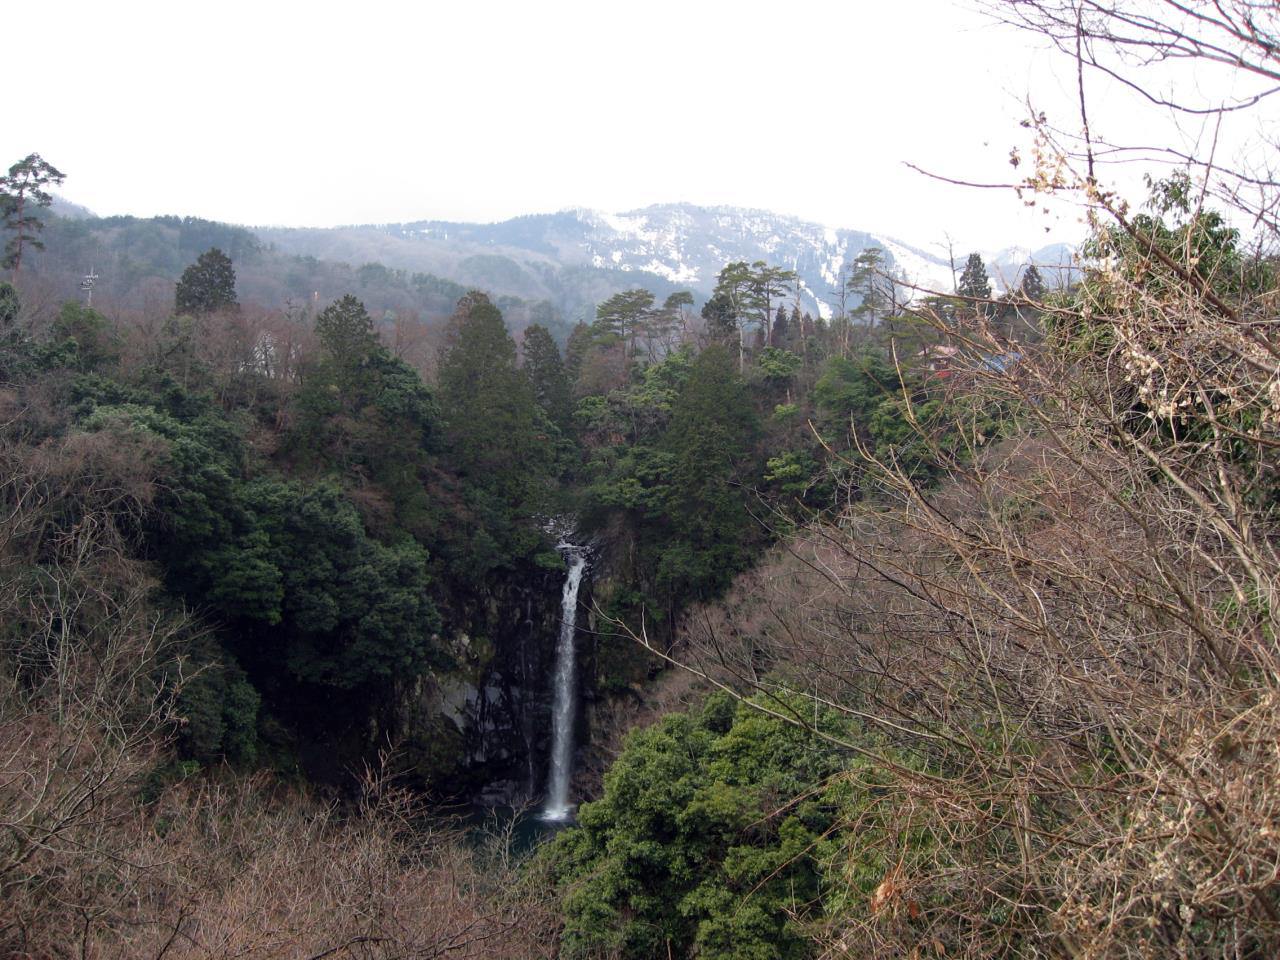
[548, 268]
[295, 555]
[136, 262]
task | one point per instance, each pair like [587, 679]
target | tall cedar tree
[207, 286]
[779, 335]
[974, 282]
[347, 336]
[488, 405]
[1032, 287]
[21, 191]
[575, 353]
[547, 376]
[711, 436]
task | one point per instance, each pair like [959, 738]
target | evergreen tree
[346, 335]
[361, 408]
[974, 282]
[547, 376]
[21, 190]
[687, 854]
[718, 316]
[575, 353]
[779, 335]
[744, 297]
[733, 304]
[345, 330]
[768, 285]
[1032, 286]
[208, 285]
[677, 305]
[658, 326]
[867, 281]
[9, 306]
[96, 340]
[494, 428]
[620, 318]
[796, 340]
[710, 441]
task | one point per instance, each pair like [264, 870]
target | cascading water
[564, 708]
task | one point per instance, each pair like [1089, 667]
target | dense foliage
[710, 839]
[332, 528]
[207, 285]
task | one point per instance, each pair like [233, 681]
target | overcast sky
[327, 113]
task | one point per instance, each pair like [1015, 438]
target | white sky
[324, 113]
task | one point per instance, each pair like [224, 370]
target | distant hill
[64, 208]
[138, 261]
[580, 256]
[548, 268]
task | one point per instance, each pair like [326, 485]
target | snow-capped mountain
[582, 256]
[688, 245]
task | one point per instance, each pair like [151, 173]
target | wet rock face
[483, 733]
[506, 730]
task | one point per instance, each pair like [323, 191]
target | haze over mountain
[551, 268]
[665, 246]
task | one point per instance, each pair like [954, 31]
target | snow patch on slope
[928, 273]
[677, 273]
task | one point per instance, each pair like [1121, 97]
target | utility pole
[86, 284]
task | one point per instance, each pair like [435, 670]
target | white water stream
[564, 708]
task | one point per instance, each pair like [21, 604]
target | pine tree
[620, 318]
[734, 304]
[768, 284]
[20, 191]
[664, 327]
[207, 286]
[867, 281]
[677, 305]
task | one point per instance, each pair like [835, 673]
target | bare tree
[1058, 646]
[107, 848]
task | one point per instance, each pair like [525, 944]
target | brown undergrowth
[1071, 636]
[108, 847]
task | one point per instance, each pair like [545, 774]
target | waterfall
[564, 708]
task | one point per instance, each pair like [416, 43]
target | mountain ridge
[684, 245]
[571, 259]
